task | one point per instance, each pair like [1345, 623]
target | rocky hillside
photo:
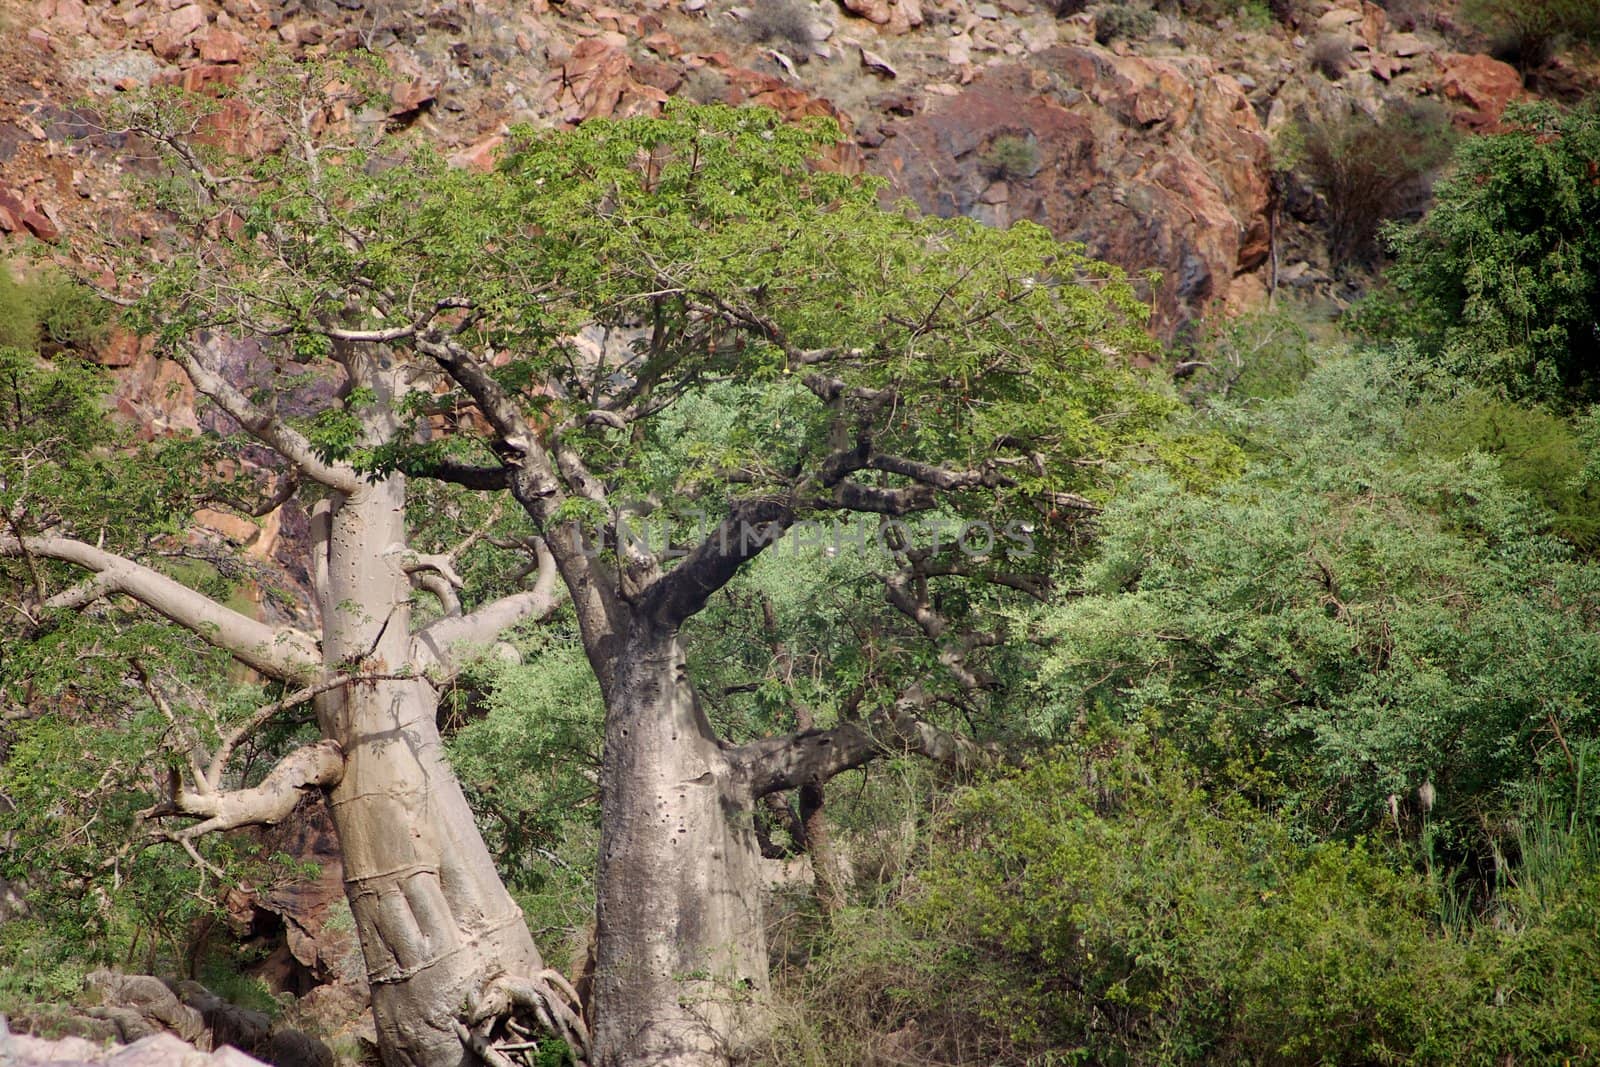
[1153, 147]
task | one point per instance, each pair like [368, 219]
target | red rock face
[1483, 85]
[1151, 163]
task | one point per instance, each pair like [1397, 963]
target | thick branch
[850, 495]
[466, 370]
[937, 477]
[82, 595]
[315, 766]
[811, 757]
[263, 425]
[212, 779]
[443, 640]
[750, 526]
[285, 654]
[467, 475]
[904, 594]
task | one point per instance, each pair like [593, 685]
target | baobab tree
[674, 342]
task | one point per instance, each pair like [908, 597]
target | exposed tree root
[493, 1032]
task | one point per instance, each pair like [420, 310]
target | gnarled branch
[318, 765]
[441, 641]
[814, 756]
[262, 425]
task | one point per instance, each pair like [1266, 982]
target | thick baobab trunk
[435, 921]
[681, 959]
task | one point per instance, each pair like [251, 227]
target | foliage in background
[1539, 453]
[1500, 283]
[45, 309]
[1353, 618]
[82, 745]
[1258, 355]
[528, 757]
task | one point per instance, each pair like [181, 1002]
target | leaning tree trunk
[681, 957]
[435, 921]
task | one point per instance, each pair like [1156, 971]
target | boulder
[154, 1007]
[158, 1050]
[1481, 84]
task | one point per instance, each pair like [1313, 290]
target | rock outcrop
[136, 1020]
[1153, 164]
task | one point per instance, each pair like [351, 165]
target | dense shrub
[1011, 157]
[1104, 908]
[47, 309]
[1260, 355]
[1352, 618]
[1120, 19]
[1539, 453]
[786, 23]
[1529, 32]
[1500, 283]
[1330, 56]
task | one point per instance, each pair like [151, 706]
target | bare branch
[467, 475]
[906, 593]
[414, 562]
[212, 779]
[750, 526]
[938, 477]
[396, 333]
[82, 595]
[287, 486]
[191, 747]
[815, 756]
[468, 372]
[442, 590]
[441, 641]
[318, 765]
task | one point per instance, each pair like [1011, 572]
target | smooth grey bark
[435, 922]
[680, 968]
[681, 947]
[447, 951]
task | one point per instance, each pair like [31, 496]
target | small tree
[1528, 32]
[1368, 168]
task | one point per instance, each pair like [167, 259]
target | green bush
[1011, 157]
[1539, 453]
[49, 310]
[1500, 283]
[787, 23]
[1352, 617]
[1258, 355]
[1103, 908]
[1122, 20]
